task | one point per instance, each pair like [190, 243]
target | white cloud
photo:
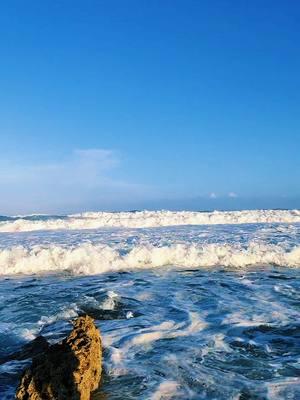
[232, 195]
[213, 195]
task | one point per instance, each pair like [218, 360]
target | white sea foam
[66, 313]
[147, 219]
[110, 302]
[146, 337]
[168, 330]
[88, 259]
[283, 389]
[166, 391]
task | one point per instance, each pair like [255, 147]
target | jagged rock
[68, 370]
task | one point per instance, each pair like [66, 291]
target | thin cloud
[85, 167]
[86, 176]
[232, 195]
[213, 195]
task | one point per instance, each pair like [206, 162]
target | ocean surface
[191, 305]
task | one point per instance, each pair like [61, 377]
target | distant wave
[94, 259]
[145, 219]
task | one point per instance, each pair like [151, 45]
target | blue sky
[149, 104]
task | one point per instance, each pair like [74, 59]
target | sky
[115, 105]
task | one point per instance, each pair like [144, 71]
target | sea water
[190, 305]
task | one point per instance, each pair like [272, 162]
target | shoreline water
[185, 311]
[194, 328]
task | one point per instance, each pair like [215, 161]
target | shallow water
[213, 330]
[195, 334]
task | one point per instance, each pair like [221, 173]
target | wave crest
[89, 259]
[147, 219]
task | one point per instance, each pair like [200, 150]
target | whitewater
[193, 305]
[144, 219]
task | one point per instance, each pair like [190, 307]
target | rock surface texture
[68, 370]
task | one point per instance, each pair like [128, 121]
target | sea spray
[146, 219]
[89, 259]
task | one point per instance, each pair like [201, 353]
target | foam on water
[166, 390]
[146, 219]
[91, 259]
[192, 334]
[174, 324]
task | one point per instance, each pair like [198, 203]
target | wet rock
[68, 370]
[29, 350]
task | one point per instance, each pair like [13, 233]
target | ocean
[190, 305]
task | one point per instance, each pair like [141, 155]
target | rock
[68, 370]
[29, 350]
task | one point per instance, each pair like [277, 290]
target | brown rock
[68, 370]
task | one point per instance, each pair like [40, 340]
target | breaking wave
[89, 259]
[145, 219]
